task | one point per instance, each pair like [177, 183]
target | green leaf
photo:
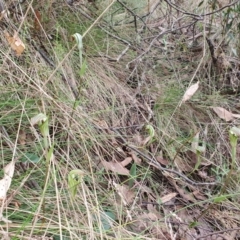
[107, 220]
[220, 199]
[193, 224]
[133, 173]
[30, 157]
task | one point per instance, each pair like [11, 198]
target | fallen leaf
[190, 92]
[126, 194]
[136, 159]
[223, 113]
[186, 196]
[184, 165]
[126, 161]
[102, 124]
[150, 194]
[22, 137]
[162, 160]
[115, 167]
[15, 42]
[198, 195]
[168, 197]
[146, 221]
[137, 139]
[37, 21]
[204, 175]
[236, 115]
[183, 216]
[149, 216]
[146, 140]
[4, 14]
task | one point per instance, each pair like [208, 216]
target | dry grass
[103, 118]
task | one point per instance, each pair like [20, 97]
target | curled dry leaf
[190, 92]
[126, 161]
[22, 137]
[15, 42]
[115, 167]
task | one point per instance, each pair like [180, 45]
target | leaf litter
[225, 114]
[171, 189]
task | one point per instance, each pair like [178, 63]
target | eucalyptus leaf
[30, 157]
[107, 220]
[133, 173]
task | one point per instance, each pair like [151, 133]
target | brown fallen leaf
[150, 194]
[224, 114]
[126, 194]
[198, 195]
[146, 140]
[22, 137]
[4, 14]
[146, 221]
[204, 175]
[168, 197]
[190, 92]
[183, 164]
[115, 167]
[186, 196]
[136, 159]
[162, 160]
[37, 21]
[15, 42]
[126, 161]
